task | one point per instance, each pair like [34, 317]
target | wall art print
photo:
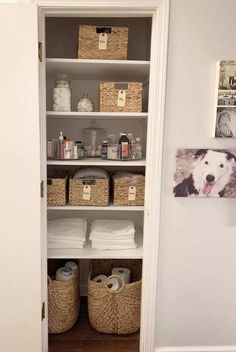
[225, 112]
[207, 173]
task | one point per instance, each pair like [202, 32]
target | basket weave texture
[56, 191]
[121, 188]
[111, 312]
[63, 304]
[99, 192]
[109, 97]
[117, 43]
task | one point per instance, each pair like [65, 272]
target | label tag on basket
[121, 98]
[132, 193]
[102, 41]
[86, 192]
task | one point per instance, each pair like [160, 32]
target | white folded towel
[96, 245]
[91, 172]
[115, 227]
[68, 228]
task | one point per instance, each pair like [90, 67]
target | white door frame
[159, 11]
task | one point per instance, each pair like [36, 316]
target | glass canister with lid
[92, 139]
[85, 104]
[62, 94]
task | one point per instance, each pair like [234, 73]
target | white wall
[197, 274]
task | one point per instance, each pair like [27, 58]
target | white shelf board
[88, 253]
[108, 208]
[98, 69]
[97, 115]
[98, 162]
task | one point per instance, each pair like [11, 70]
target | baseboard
[197, 349]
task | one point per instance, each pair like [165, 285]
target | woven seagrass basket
[115, 49]
[56, 191]
[109, 92]
[63, 304]
[115, 312]
[128, 192]
[89, 192]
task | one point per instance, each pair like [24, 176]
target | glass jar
[62, 94]
[85, 104]
[92, 139]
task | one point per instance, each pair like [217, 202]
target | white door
[20, 257]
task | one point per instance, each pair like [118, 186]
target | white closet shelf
[97, 115]
[108, 208]
[88, 253]
[98, 162]
[98, 69]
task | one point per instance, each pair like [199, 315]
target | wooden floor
[83, 338]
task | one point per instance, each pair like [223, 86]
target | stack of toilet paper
[112, 234]
[119, 277]
[67, 233]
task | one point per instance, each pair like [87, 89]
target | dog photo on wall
[205, 173]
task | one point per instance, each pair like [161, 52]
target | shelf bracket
[43, 311]
[42, 189]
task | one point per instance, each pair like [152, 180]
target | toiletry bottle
[104, 149]
[61, 146]
[138, 149]
[124, 147]
[131, 138]
[67, 150]
[75, 153]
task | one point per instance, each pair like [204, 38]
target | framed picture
[225, 106]
[206, 173]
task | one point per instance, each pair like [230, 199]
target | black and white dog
[211, 173]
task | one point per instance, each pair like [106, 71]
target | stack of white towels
[67, 233]
[112, 234]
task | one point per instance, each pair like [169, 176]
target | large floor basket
[115, 312]
[63, 304]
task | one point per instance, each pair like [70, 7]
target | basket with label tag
[128, 189]
[89, 191]
[98, 42]
[56, 189]
[121, 97]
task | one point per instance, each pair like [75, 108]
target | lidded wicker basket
[92, 191]
[115, 312]
[121, 97]
[97, 42]
[63, 304]
[129, 191]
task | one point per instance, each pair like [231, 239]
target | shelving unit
[110, 207]
[85, 76]
[97, 162]
[97, 115]
[99, 69]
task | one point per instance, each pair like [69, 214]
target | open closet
[129, 195]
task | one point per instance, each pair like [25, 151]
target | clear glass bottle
[92, 138]
[62, 94]
[137, 149]
[85, 104]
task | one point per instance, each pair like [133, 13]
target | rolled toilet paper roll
[71, 265]
[64, 274]
[114, 283]
[124, 273]
[100, 279]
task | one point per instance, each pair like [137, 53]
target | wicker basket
[115, 312]
[89, 192]
[63, 304]
[130, 92]
[128, 191]
[56, 191]
[92, 45]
